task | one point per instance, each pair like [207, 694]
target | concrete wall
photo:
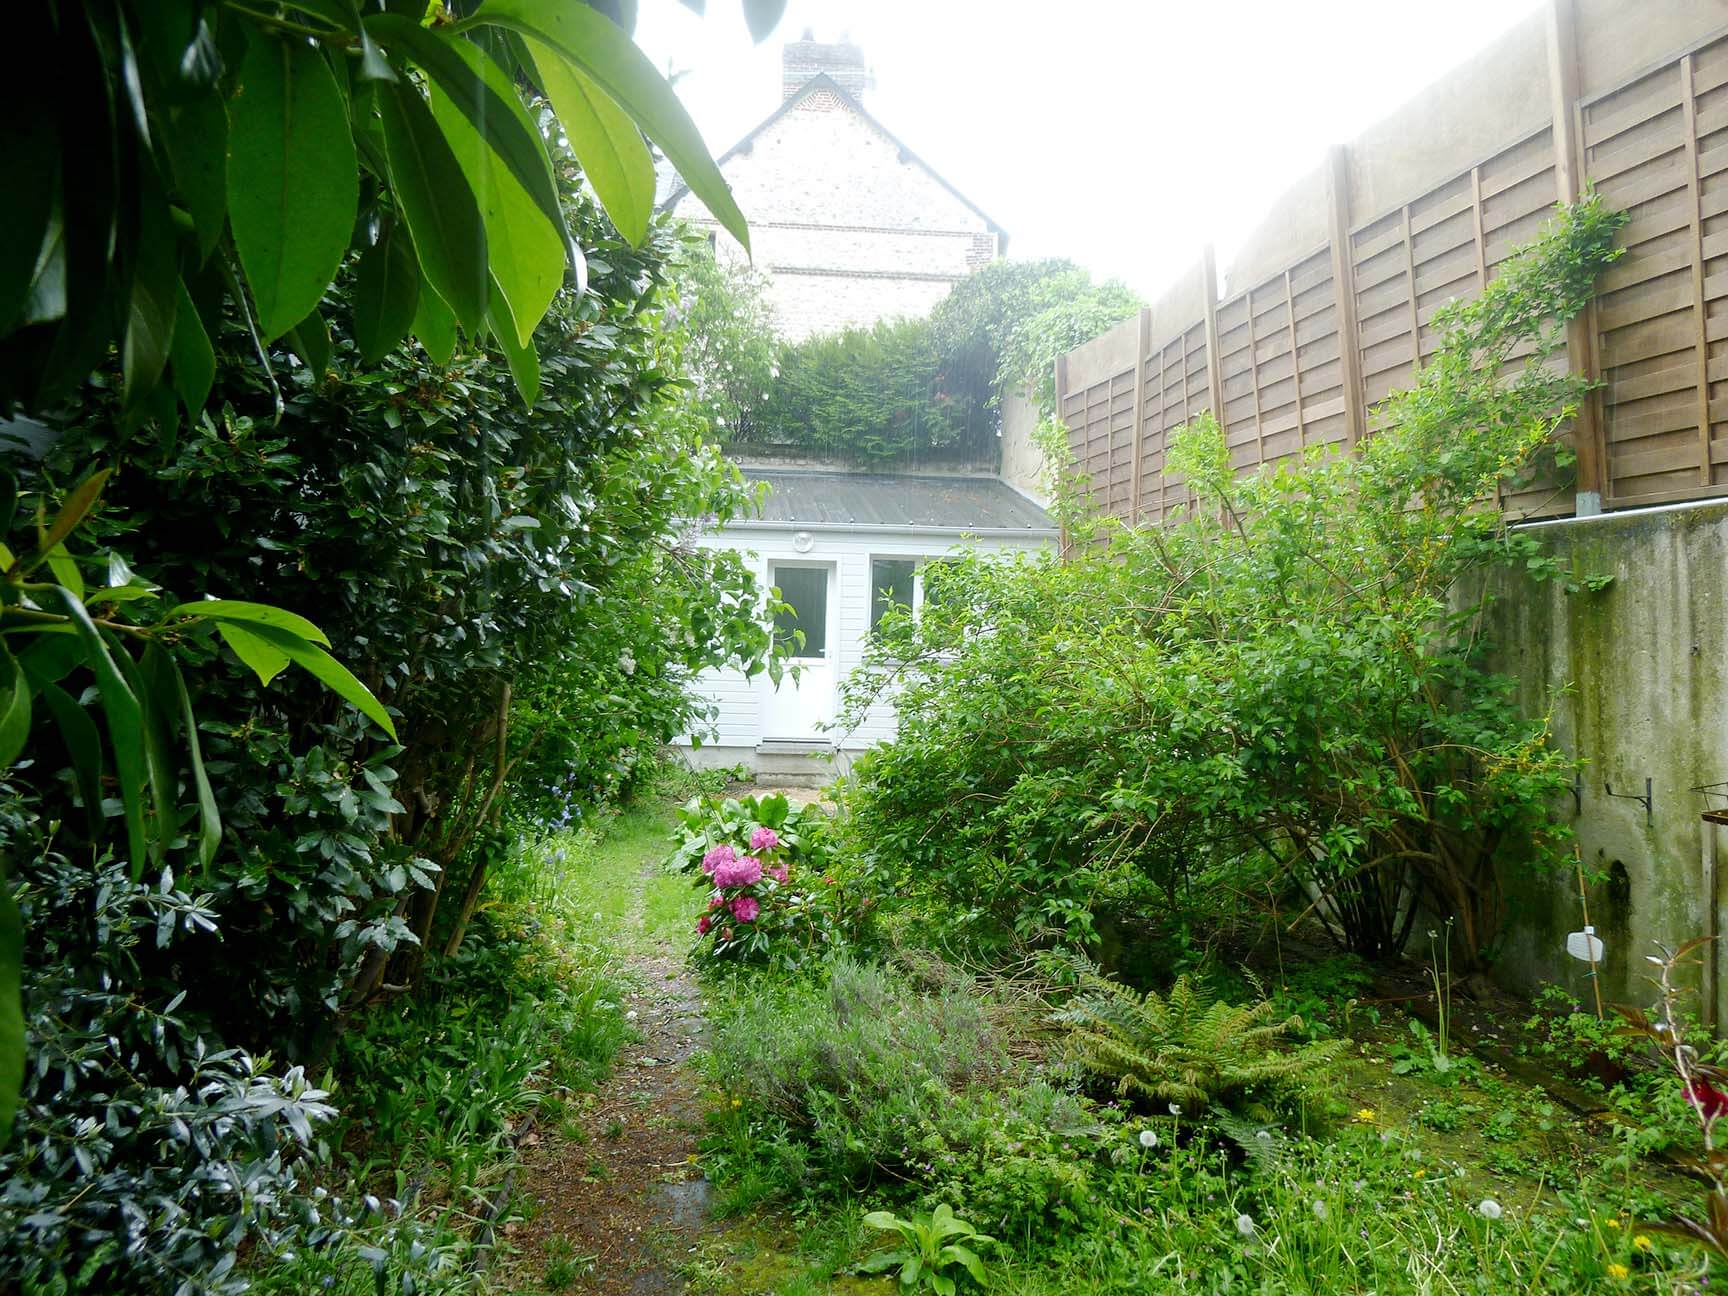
[848, 227]
[1635, 677]
[1022, 463]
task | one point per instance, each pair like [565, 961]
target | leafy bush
[764, 862]
[518, 587]
[1191, 1051]
[842, 1071]
[1145, 710]
[145, 1152]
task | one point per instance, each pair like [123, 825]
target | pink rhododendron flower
[744, 871]
[703, 924]
[721, 854]
[745, 908]
[716, 900]
[779, 873]
[763, 838]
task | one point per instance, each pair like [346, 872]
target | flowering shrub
[765, 864]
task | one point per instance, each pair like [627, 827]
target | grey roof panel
[827, 499]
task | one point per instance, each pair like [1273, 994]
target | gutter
[889, 528]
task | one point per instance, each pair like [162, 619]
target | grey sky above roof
[817, 499]
[1126, 136]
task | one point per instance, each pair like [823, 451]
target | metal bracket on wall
[1648, 799]
[1715, 814]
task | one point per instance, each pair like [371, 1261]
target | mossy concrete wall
[1635, 677]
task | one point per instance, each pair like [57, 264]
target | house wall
[848, 229]
[737, 728]
[1023, 464]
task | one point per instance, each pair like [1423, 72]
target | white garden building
[840, 546]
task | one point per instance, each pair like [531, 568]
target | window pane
[890, 582]
[806, 590]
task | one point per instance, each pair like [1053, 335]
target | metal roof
[818, 500]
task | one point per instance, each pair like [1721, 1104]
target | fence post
[1214, 369]
[1071, 468]
[1344, 292]
[1141, 347]
[1587, 432]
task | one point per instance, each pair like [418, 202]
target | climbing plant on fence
[1283, 700]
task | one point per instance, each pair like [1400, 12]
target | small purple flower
[763, 838]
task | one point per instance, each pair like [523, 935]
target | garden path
[619, 1205]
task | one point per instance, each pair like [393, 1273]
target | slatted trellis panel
[1658, 147]
[1177, 385]
[1100, 420]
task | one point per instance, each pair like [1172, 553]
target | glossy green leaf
[386, 293]
[14, 708]
[30, 143]
[614, 156]
[83, 746]
[153, 684]
[255, 614]
[265, 661]
[435, 199]
[66, 570]
[197, 150]
[328, 671]
[520, 356]
[526, 252]
[82, 499]
[310, 340]
[762, 17]
[434, 325]
[209, 817]
[600, 49]
[293, 182]
[11, 1008]
[154, 299]
[125, 717]
[482, 92]
[191, 358]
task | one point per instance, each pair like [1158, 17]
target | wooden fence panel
[1658, 147]
[1656, 337]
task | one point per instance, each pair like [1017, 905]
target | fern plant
[1192, 1050]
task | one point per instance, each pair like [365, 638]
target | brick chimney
[807, 57]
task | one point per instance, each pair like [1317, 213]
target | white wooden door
[798, 709]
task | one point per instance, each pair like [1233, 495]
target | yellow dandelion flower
[1643, 1242]
[1366, 1115]
[1611, 1222]
[1420, 1171]
[1619, 1271]
[737, 1102]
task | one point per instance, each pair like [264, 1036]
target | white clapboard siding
[736, 730]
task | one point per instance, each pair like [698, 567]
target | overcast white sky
[1122, 133]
